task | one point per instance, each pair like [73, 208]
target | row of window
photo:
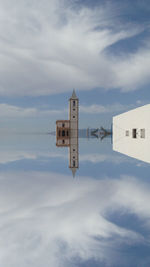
[136, 133]
[63, 133]
[74, 163]
[74, 103]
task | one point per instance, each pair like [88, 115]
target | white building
[131, 133]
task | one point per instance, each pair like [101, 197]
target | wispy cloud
[10, 111]
[100, 109]
[132, 72]
[54, 46]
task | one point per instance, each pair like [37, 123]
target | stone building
[67, 133]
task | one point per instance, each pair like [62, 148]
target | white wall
[138, 148]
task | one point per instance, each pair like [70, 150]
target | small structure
[131, 133]
[62, 133]
[67, 133]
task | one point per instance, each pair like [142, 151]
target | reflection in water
[67, 133]
[130, 133]
[48, 219]
[102, 218]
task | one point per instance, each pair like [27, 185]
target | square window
[127, 133]
[142, 133]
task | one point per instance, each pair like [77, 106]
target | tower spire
[74, 94]
[73, 172]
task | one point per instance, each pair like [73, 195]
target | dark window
[74, 163]
[74, 103]
[73, 157]
[74, 149]
[67, 133]
[63, 141]
[63, 133]
[74, 109]
[73, 116]
[134, 133]
[63, 125]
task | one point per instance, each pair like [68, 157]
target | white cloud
[133, 72]
[50, 47]
[10, 111]
[7, 156]
[48, 219]
[100, 109]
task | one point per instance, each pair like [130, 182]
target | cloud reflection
[17, 155]
[48, 219]
[7, 156]
[101, 157]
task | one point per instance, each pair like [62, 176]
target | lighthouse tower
[73, 118]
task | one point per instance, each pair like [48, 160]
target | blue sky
[47, 48]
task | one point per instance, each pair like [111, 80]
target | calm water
[48, 218]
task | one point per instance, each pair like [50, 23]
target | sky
[102, 49]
